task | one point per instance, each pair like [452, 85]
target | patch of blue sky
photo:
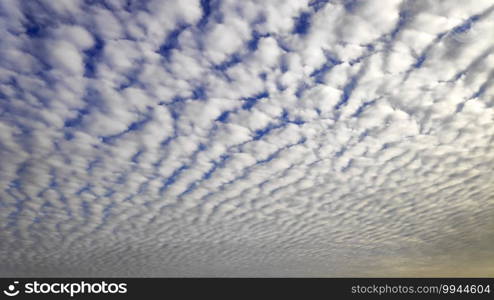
[302, 23]
[249, 102]
[319, 73]
[223, 118]
[351, 5]
[420, 61]
[210, 11]
[403, 18]
[134, 126]
[362, 108]
[171, 42]
[199, 93]
[318, 4]
[92, 57]
[253, 43]
[233, 60]
[347, 92]
[85, 209]
[172, 178]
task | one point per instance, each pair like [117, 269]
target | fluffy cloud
[252, 138]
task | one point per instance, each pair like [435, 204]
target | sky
[321, 138]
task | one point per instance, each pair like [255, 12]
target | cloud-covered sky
[247, 138]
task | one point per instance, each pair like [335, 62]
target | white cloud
[169, 138]
[65, 57]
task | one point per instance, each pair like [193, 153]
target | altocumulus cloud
[247, 138]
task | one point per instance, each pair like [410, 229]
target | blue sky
[246, 138]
